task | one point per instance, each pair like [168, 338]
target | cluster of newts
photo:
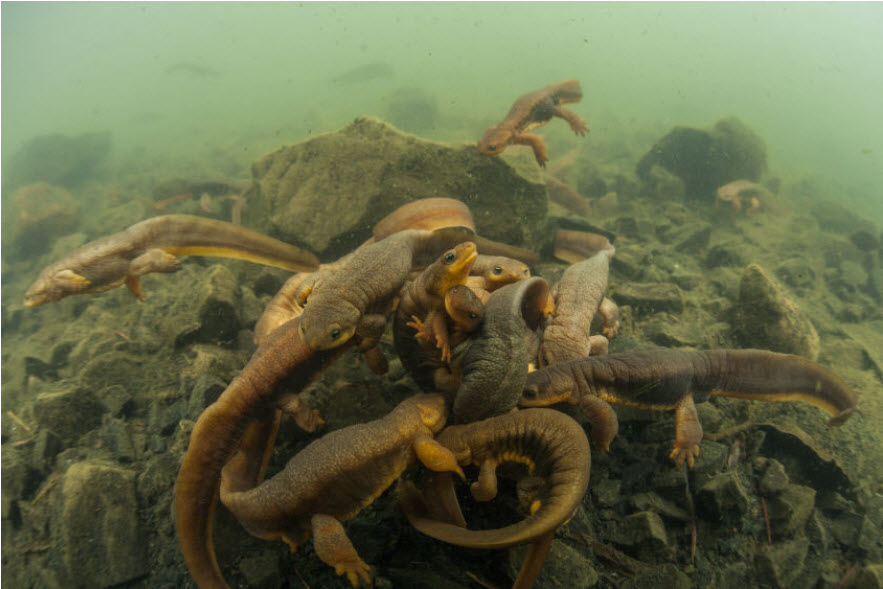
[489, 343]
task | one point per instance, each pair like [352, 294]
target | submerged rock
[327, 193]
[766, 317]
[57, 159]
[99, 528]
[707, 159]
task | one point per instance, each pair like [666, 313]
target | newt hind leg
[577, 124]
[335, 549]
[688, 432]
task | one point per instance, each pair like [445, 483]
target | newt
[219, 429]
[573, 246]
[490, 272]
[495, 364]
[578, 295]
[664, 379]
[335, 477]
[422, 304]
[356, 295]
[154, 245]
[552, 446]
[464, 314]
[439, 212]
[533, 110]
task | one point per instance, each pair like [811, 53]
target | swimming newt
[531, 111]
[154, 245]
[664, 379]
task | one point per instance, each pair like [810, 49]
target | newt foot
[682, 452]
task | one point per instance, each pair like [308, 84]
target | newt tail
[551, 444]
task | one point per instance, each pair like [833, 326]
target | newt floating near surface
[556, 452]
[335, 477]
[154, 245]
[533, 110]
[664, 379]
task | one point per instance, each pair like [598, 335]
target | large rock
[327, 193]
[101, 538]
[706, 159]
[766, 317]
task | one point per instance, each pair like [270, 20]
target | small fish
[367, 72]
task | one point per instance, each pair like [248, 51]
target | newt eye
[498, 270]
[529, 394]
[473, 315]
[450, 257]
[492, 147]
[335, 333]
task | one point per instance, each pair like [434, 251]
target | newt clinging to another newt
[153, 246]
[533, 110]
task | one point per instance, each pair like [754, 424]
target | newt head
[458, 262]
[499, 271]
[53, 286]
[542, 390]
[328, 326]
[494, 140]
[464, 307]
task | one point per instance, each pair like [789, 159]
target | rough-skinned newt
[154, 246]
[531, 111]
[218, 431]
[578, 295]
[495, 364]
[664, 379]
[556, 453]
[464, 314]
[343, 301]
[335, 477]
[491, 272]
[422, 304]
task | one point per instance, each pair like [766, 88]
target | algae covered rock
[707, 159]
[766, 317]
[327, 193]
[57, 158]
[103, 544]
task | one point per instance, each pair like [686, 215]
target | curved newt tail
[661, 378]
[551, 444]
[217, 434]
